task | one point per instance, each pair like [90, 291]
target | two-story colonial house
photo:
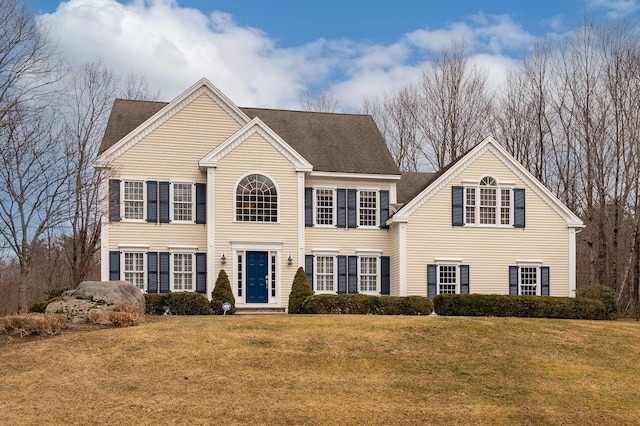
[198, 184]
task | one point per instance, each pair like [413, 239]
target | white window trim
[131, 248]
[315, 207]
[377, 209]
[378, 274]
[172, 203]
[334, 255]
[499, 187]
[537, 267]
[193, 270]
[144, 200]
[448, 263]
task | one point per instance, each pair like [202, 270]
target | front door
[257, 275]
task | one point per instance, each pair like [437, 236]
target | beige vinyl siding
[347, 240]
[157, 235]
[172, 150]
[488, 250]
[255, 155]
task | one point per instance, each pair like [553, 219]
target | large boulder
[96, 295]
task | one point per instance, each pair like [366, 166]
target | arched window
[488, 200]
[256, 199]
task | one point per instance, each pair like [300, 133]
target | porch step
[260, 311]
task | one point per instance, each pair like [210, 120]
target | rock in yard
[96, 295]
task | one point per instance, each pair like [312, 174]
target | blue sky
[269, 53]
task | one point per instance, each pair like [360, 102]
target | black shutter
[152, 272]
[431, 280]
[342, 274]
[164, 202]
[308, 207]
[308, 268]
[152, 201]
[352, 212]
[385, 275]
[384, 209]
[457, 205]
[518, 208]
[544, 281]
[464, 279]
[114, 199]
[341, 195]
[164, 272]
[201, 203]
[114, 265]
[352, 274]
[201, 273]
[513, 279]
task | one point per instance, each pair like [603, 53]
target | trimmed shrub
[340, 304]
[34, 324]
[222, 293]
[416, 305]
[177, 303]
[604, 294]
[300, 290]
[389, 305]
[398, 305]
[518, 306]
[156, 303]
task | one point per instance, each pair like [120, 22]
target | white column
[104, 225]
[301, 240]
[211, 254]
[402, 258]
[572, 262]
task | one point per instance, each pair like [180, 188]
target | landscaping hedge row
[177, 303]
[366, 305]
[519, 306]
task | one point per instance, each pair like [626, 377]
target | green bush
[416, 305]
[339, 304]
[367, 305]
[300, 290]
[177, 303]
[38, 307]
[222, 293]
[518, 306]
[604, 294]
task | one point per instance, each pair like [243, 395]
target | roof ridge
[308, 112]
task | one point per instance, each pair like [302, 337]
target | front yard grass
[320, 369]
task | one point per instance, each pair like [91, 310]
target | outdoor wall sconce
[289, 260]
[223, 259]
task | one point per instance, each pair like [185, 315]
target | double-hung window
[133, 199]
[368, 276]
[325, 206]
[447, 279]
[529, 281]
[368, 208]
[183, 272]
[134, 268]
[326, 273]
[183, 202]
[488, 203]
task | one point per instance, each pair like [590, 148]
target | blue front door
[257, 272]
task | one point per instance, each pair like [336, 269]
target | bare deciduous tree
[323, 102]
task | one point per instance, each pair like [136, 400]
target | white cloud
[174, 46]
[617, 8]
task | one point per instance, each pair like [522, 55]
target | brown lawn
[327, 370]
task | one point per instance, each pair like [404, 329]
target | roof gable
[489, 144]
[255, 126]
[125, 114]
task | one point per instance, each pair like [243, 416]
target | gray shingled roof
[331, 142]
[411, 184]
